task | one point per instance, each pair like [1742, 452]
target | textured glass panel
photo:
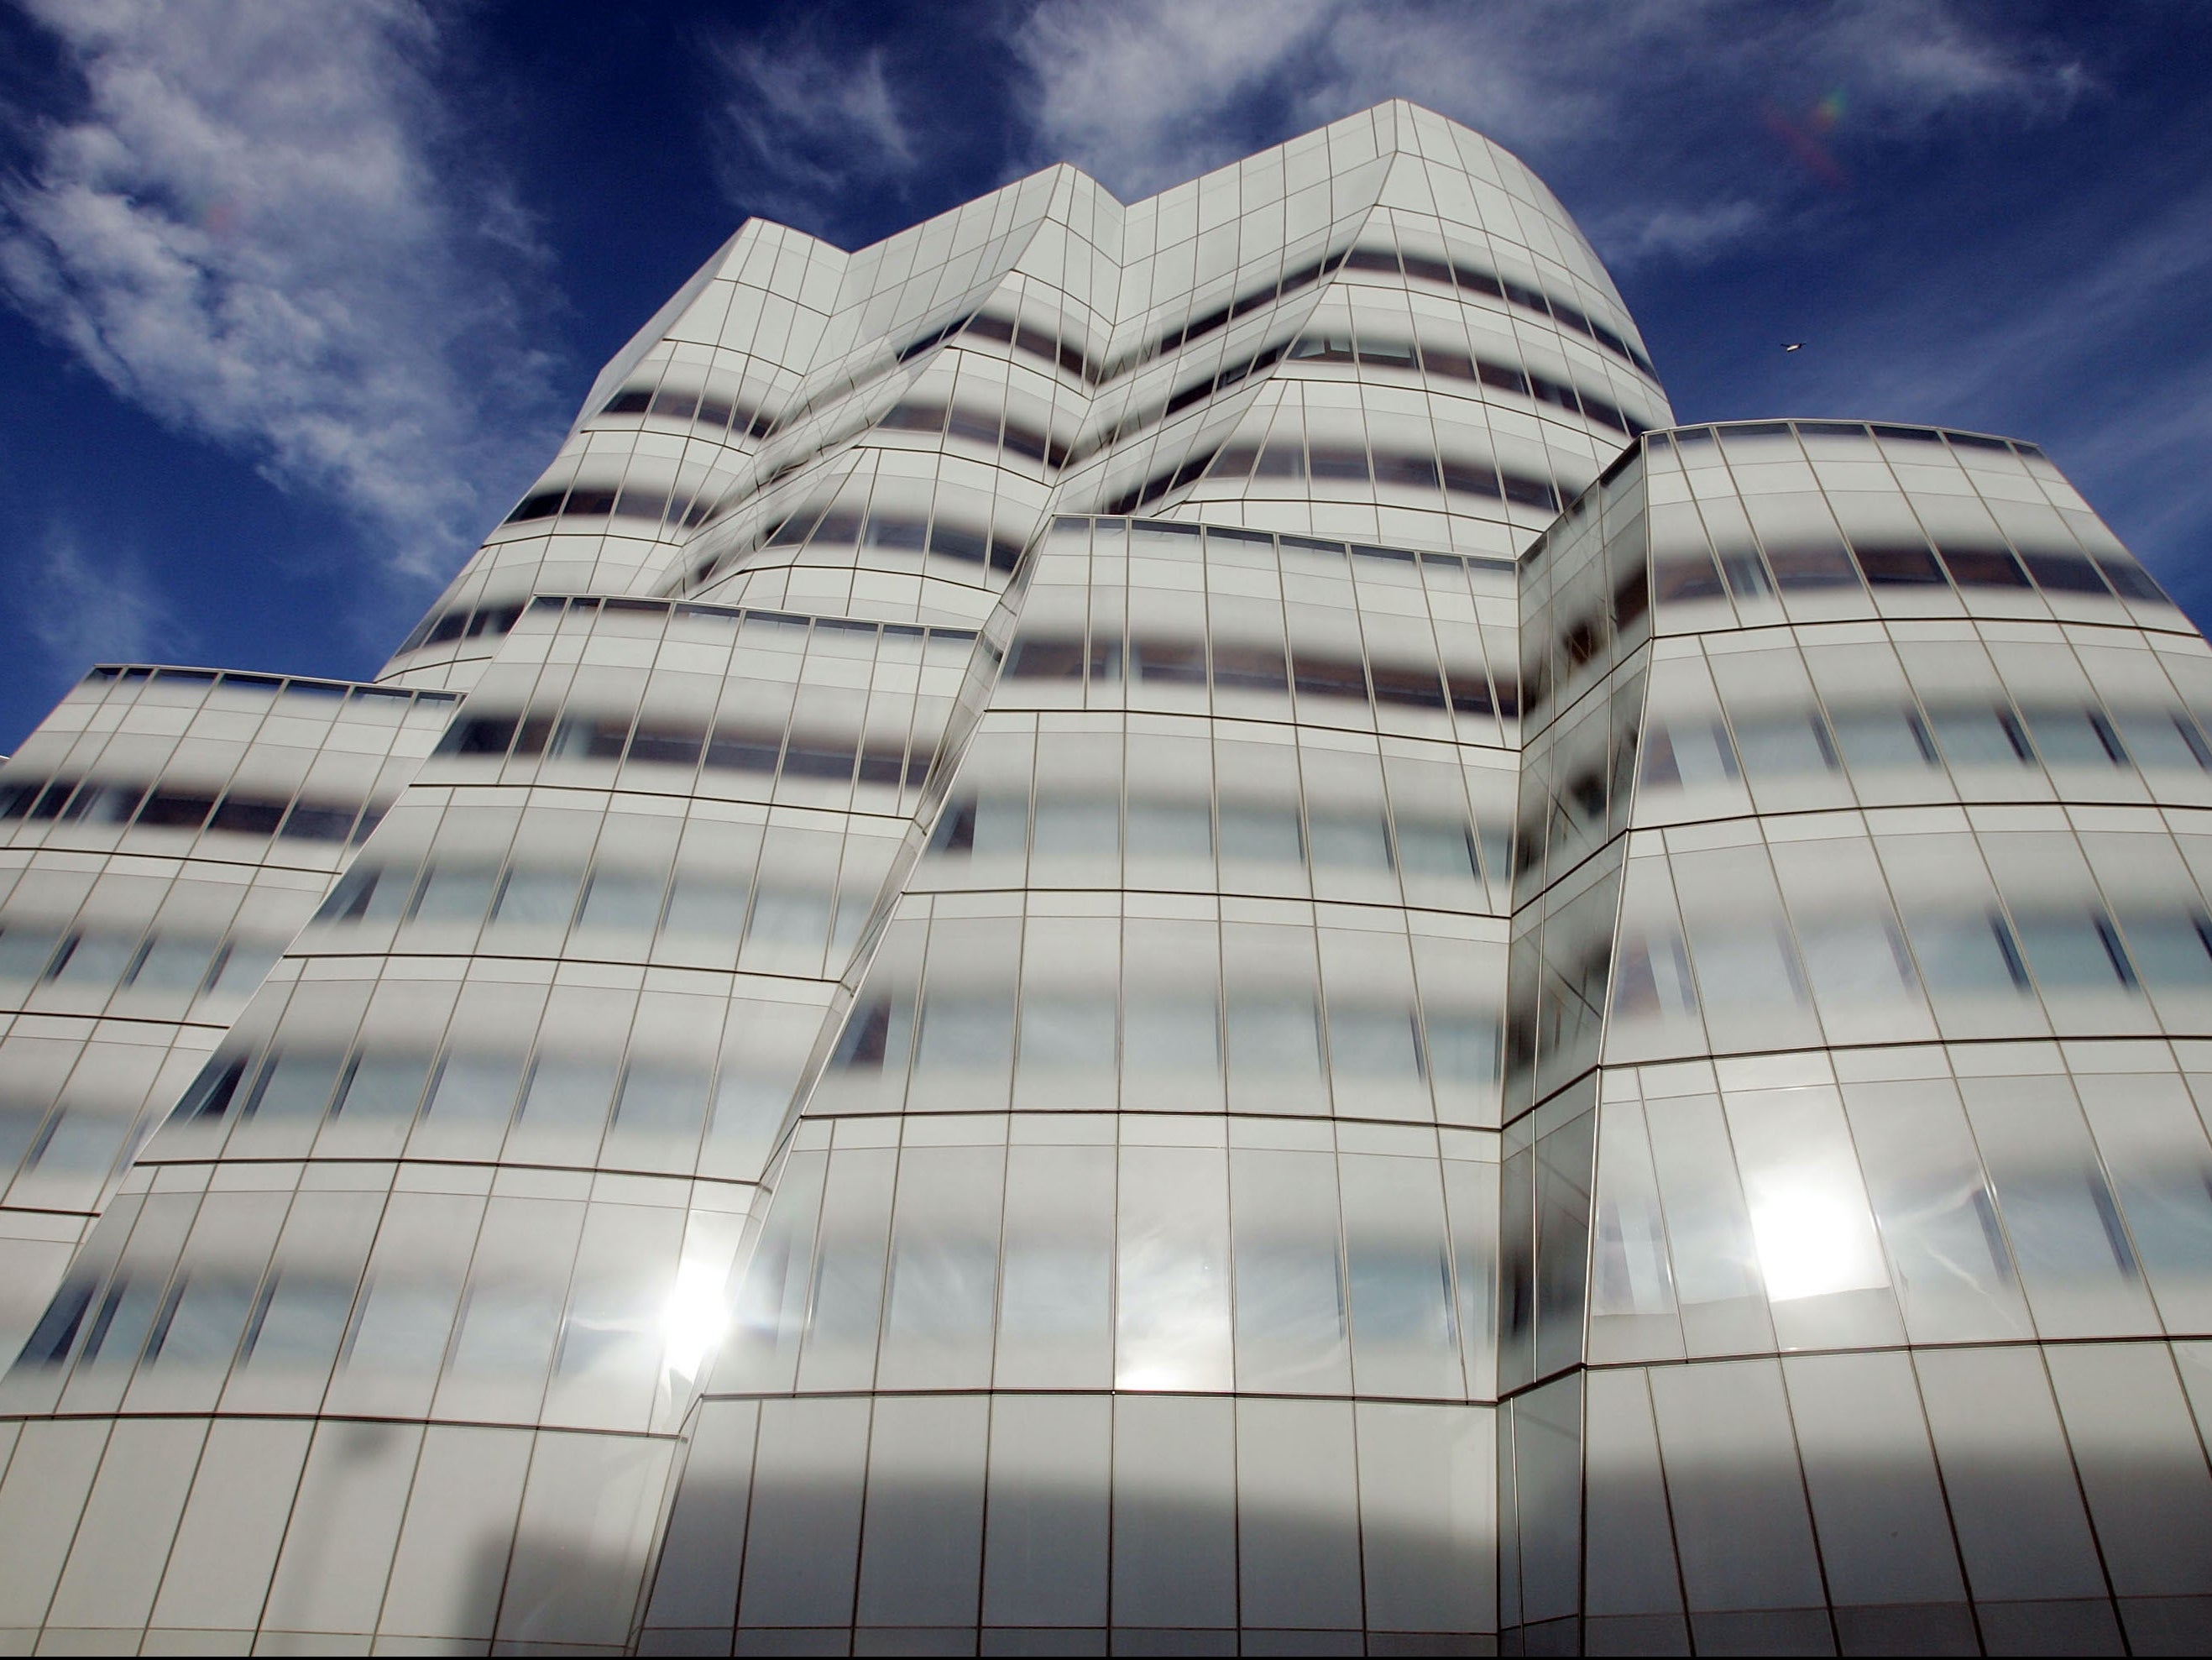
[665, 1104]
[1045, 1549]
[847, 1298]
[570, 1096]
[172, 964]
[1871, 1473]
[1855, 958]
[2074, 1254]
[96, 961]
[1298, 1515]
[965, 1032]
[944, 1270]
[2069, 951]
[1979, 737]
[241, 966]
[1949, 1260]
[385, 1086]
[539, 897]
[1818, 1253]
[1405, 1338]
[301, 1323]
[2154, 1146]
[455, 893]
[1472, 1200]
[1967, 954]
[1174, 1512]
[403, 1325]
[1001, 825]
[206, 1319]
[1881, 740]
[1632, 1279]
[1169, 829]
[24, 950]
[771, 1306]
[1688, 752]
[2074, 738]
[1716, 1255]
[1562, 1209]
[1170, 1035]
[802, 1548]
[1077, 827]
[1289, 1285]
[295, 1085]
[2015, 1502]
[702, 908]
[615, 1332]
[1260, 834]
[1055, 1316]
[2171, 950]
[796, 917]
[1546, 1481]
[1734, 1487]
[921, 1543]
[1274, 1035]
[1373, 1042]
[1461, 1049]
[1067, 1031]
[1630, 1539]
[474, 1089]
[1654, 997]
[2162, 740]
[619, 899]
[125, 1318]
[1355, 840]
[507, 1329]
[1784, 745]
[1437, 850]
[2129, 1428]
[1744, 962]
[1173, 1314]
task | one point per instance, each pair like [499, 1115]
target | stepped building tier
[1150, 928]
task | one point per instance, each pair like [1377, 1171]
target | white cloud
[83, 610]
[256, 224]
[1145, 93]
[797, 125]
[1135, 93]
[1691, 236]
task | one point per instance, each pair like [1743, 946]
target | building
[1148, 925]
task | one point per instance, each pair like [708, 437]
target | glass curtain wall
[1140, 927]
[1856, 1239]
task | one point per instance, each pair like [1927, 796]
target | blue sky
[297, 295]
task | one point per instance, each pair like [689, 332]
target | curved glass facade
[1147, 929]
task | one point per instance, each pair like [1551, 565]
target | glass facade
[1147, 929]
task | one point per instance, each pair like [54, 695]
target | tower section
[1129, 1273]
[1854, 1220]
[1077, 1027]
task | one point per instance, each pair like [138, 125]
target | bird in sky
[1792, 345]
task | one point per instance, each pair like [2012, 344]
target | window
[1897, 564]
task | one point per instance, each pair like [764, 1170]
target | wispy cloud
[1690, 236]
[1144, 92]
[81, 609]
[2083, 355]
[257, 222]
[798, 124]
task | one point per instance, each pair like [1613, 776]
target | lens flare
[694, 1318]
[1801, 136]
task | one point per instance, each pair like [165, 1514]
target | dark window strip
[1239, 667]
